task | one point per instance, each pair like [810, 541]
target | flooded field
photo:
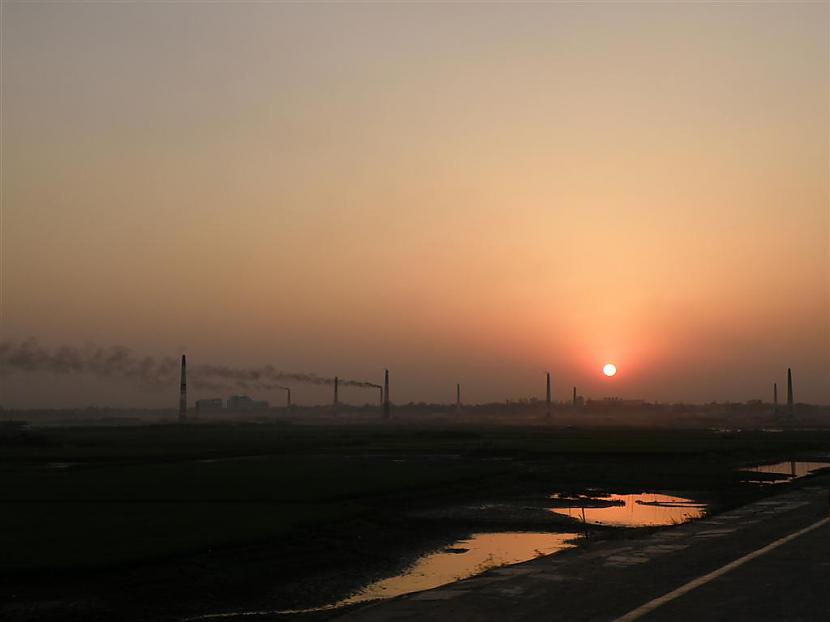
[634, 510]
[783, 471]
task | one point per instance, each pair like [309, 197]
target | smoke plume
[151, 372]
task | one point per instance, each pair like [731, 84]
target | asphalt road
[791, 582]
[780, 576]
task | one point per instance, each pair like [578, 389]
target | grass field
[99, 496]
[82, 501]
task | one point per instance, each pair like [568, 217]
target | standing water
[781, 471]
[464, 559]
[645, 509]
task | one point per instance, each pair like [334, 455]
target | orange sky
[470, 193]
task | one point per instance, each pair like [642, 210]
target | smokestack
[287, 397]
[790, 403]
[183, 390]
[458, 396]
[386, 405]
[574, 398]
[336, 380]
[547, 394]
[774, 398]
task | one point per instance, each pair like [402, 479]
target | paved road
[791, 582]
[610, 580]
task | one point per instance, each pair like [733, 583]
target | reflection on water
[786, 470]
[645, 509]
[464, 559]
[460, 560]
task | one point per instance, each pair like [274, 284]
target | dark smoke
[120, 362]
[267, 376]
[114, 361]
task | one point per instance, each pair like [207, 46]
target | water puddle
[460, 560]
[645, 509]
[784, 471]
[463, 559]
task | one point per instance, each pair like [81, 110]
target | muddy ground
[170, 522]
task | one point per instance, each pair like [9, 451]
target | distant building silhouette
[617, 402]
[243, 403]
[210, 405]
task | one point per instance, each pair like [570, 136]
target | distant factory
[235, 403]
[209, 406]
[615, 401]
[577, 402]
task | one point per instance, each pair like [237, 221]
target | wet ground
[168, 524]
[783, 471]
[766, 561]
[483, 552]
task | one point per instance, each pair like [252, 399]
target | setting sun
[610, 369]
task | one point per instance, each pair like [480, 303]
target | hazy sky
[462, 193]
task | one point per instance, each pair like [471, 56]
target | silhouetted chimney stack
[458, 396]
[183, 390]
[336, 380]
[790, 403]
[774, 398]
[386, 405]
[547, 392]
[574, 398]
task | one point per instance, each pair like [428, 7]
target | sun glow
[610, 369]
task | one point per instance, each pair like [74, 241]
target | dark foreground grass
[86, 497]
[79, 536]
[155, 522]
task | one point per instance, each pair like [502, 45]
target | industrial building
[211, 405]
[245, 403]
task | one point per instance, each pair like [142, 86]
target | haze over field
[460, 193]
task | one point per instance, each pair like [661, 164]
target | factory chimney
[386, 405]
[774, 398]
[458, 396]
[574, 398]
[790, 403]
[336, 381]
[183, 390]
[547, 393]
